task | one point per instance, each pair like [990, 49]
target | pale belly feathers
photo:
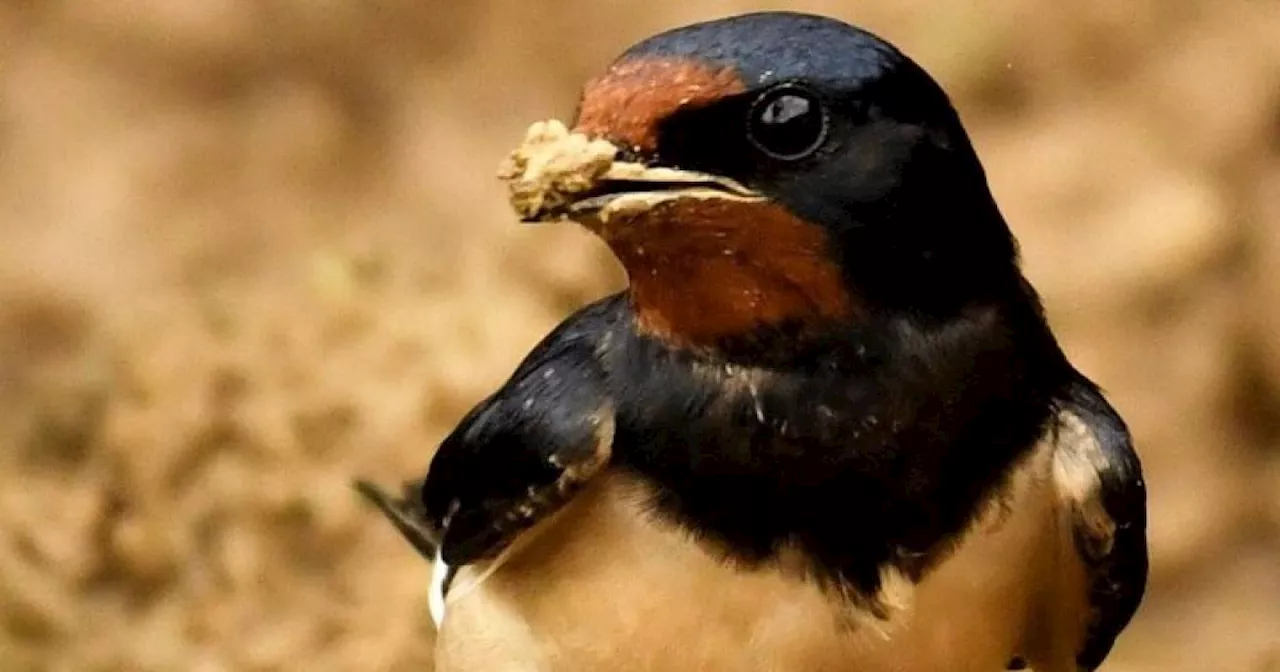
[605, 585]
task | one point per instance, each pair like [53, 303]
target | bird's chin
[558, 174]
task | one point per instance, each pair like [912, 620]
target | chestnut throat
[703, 271]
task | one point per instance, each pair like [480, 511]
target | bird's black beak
[558, 174]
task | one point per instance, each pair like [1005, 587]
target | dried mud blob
[553, 165]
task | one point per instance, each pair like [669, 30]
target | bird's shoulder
[1100, 484]
[521, 453]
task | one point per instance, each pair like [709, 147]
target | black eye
[787, 122]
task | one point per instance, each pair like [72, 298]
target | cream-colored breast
[604, 586]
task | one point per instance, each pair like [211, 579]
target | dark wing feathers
[519, 455]
[522, 453]
[1108, 501]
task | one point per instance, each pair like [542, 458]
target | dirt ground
[254, 248]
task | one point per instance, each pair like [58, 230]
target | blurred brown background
[253, 248]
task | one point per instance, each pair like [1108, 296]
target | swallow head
[772, 171]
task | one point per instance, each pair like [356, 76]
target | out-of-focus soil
[255, 248]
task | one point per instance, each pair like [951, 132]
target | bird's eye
[787, 123]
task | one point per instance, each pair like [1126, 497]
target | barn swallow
[826, 427]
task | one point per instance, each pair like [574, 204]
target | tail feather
[405, 514]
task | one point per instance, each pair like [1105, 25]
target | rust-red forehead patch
[626, 103]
